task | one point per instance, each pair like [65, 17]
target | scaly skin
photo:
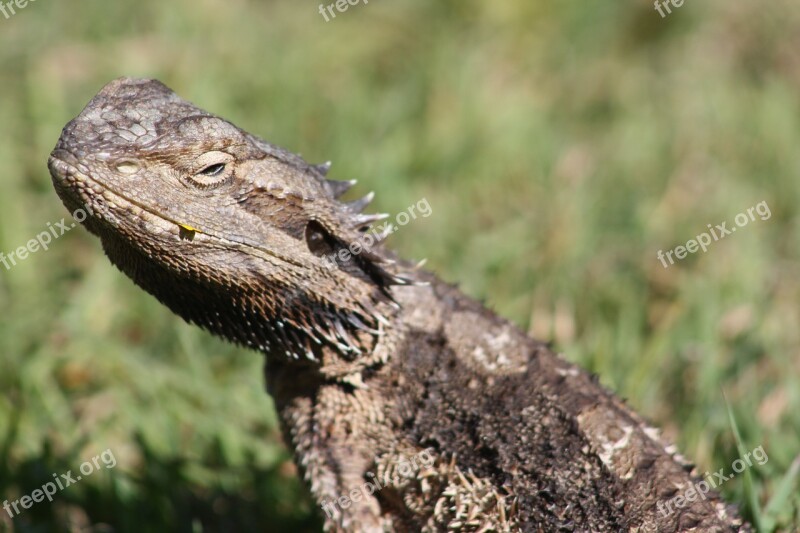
[381, 373]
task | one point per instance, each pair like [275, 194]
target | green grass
[560, 146]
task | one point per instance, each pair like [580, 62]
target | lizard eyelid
[213, 170]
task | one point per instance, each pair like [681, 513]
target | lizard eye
[212, 169]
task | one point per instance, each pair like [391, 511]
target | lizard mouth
[80, 191]
[76, 186]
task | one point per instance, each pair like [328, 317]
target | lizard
[408, 405]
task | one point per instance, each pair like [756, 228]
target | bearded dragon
[408, 405]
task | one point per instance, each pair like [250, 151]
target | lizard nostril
[127, 166]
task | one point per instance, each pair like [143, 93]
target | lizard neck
[276, 320]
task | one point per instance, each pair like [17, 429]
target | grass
[560, 146]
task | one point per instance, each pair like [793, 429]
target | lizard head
[232, 233]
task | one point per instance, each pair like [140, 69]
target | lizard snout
[61, 164]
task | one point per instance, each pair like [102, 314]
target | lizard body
[373, 363]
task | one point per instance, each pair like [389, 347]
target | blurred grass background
[560, 146]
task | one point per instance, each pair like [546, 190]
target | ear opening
[359, 258]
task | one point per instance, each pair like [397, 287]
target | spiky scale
[323, 168]
[338, 188]
[359, 205]
[363, 220]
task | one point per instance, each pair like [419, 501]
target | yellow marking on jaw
[188, 232]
